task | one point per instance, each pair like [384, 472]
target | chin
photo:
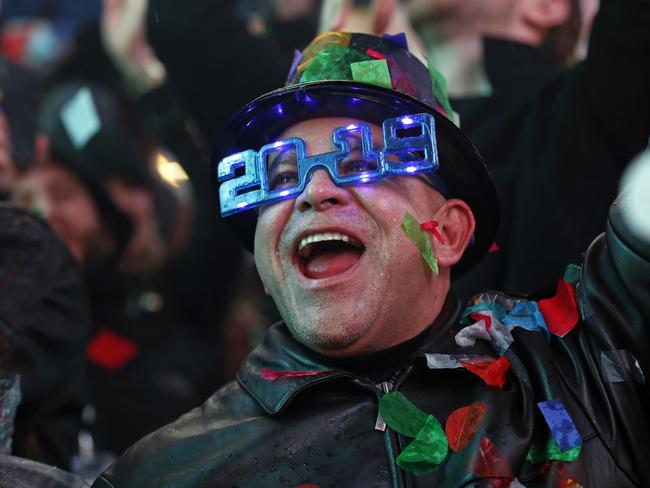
[326, 336]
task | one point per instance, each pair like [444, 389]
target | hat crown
[364, 58]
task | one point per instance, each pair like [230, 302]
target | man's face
[63, 200]
[360, 288]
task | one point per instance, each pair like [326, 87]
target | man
[348, 166]
[543, 127]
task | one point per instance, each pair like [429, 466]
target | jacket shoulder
[186, 447]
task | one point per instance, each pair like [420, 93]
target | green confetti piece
[497, 310]
[439, 87]
[374, 72]
[421, 240]
[551, 452]
[332, 63]
[427, 450]
[572, 274]
[401, 415]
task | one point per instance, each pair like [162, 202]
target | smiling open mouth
[328, 254]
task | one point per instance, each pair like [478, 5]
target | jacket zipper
[380, 390]
[384, 387]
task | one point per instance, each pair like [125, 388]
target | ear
[545, 14]
[333, 15]
[384, 10]
[456, 225]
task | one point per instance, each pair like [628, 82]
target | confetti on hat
[374, 72]
[297, 58]
[381, 61]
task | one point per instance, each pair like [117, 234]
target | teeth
[303, 250]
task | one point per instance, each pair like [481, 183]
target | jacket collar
[281, 367]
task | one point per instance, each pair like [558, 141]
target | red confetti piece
[494, 247]
[432, 226]
[110, 351]
[375, 54]
[491, 371]
[269, 374]
[401, 81]
[481, 316]
[491, 463]
[543, 469]
[307, 485]
[462, 425]
[561, 311]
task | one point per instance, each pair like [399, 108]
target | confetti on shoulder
[271, 375]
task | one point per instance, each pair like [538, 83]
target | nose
[321, 193]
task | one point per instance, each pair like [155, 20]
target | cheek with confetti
[421, 240]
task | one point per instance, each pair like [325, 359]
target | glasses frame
[244, 179]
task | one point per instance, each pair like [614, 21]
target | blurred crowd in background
[125, 299]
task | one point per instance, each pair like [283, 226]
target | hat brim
[461, 167]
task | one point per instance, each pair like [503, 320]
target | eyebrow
[278, 157]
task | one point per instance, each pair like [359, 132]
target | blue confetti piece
[527, 316]
[398, 39]
[297, 58]
[562, 427]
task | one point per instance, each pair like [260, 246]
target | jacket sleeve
[610, 350]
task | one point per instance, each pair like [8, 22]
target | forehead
[317, 133]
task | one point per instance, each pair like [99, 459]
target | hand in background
[123, 32]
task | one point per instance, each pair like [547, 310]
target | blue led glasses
[281, 170]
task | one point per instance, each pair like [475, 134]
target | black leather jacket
[320, 429]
